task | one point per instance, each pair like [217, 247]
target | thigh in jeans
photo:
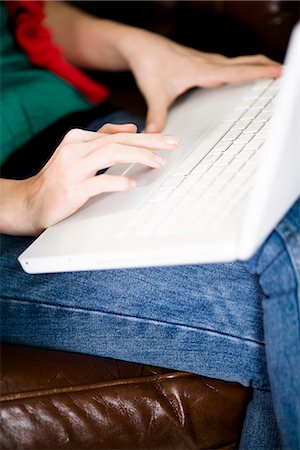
[206, 319]
[277, 265]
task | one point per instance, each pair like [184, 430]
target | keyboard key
[254, 127]
[202, 186]
[250, 114]
[261, 85]
[244, 156]
[215, 170]
[270, 108]
[276, 83]
[235, 148]
[254, 144]
[244, 138]
[263, 116]
[262, 134]
[245, 103]
[251, 95]
[211, 157]
[246, 171]
[241, 125]
[177, 195]
[223, 180]
[231, 135]
[260, 103]
[234, 166]
[172, 182]
[224, 160]
[191, 179]
[272, 91]
[201, 168]
[221, 146]
[160, 196]
[254, 160]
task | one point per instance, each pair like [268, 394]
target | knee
[277, 262]
[274, 266]
[278, 277]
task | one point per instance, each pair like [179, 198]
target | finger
[252, 59]
[155, 141]
[156, 114]
[79, 135]
[107, 183]
[240, 73]
[111, 128]
[81, 150]
[113, 154]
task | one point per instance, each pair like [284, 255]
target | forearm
[87, 41]
[15, 217]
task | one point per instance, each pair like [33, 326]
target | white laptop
[233, 177]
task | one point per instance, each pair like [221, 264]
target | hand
[164, 70]
[68, 179]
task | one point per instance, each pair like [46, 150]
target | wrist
[140, 48]
[133, 44]
[17, 213]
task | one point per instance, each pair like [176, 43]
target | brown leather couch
[59, 400]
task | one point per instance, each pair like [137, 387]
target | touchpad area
[141, 174]
[145, 176]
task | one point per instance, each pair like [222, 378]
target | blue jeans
[236, 321]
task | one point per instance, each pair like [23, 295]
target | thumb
[156, 115]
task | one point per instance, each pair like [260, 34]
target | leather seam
[92, 386]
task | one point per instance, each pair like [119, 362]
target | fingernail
[132, 183]
[160, 160]
[171, 140]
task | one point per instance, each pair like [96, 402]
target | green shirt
[31, 98]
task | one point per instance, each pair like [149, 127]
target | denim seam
[285, 230]
[271, 262]
[261, 389]
[285, 235]
[175, 324]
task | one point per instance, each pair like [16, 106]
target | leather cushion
[53, 400]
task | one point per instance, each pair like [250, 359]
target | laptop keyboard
[201, 194]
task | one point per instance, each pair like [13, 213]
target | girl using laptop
[237, 321]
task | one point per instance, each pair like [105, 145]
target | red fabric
[34, 38]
